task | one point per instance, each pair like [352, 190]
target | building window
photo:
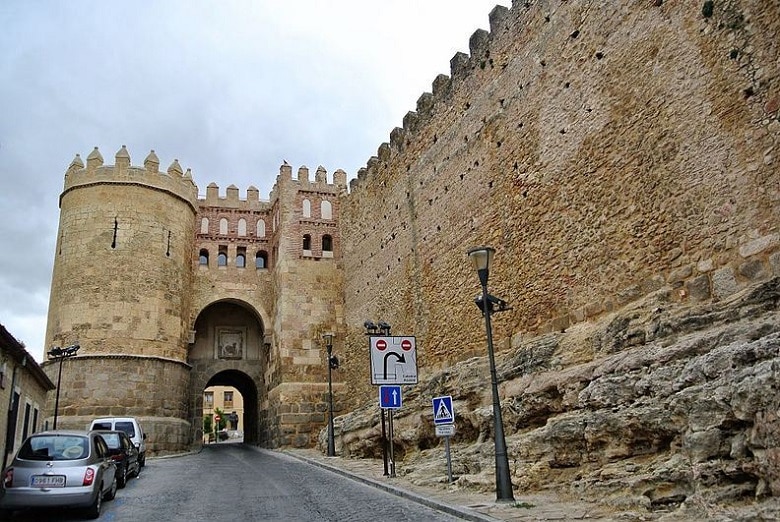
[208, 399]
[326, 210]
[35, 420]
[203, 259]
[242, 227]
[223, 226]
[222, 256]
[261, 260]
[307, 242]
[204, 226]
[241, 257]
[260, 228]
[327, 243]
[228, 399]
[306, 208]
[26, 425]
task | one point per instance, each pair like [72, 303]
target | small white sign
[445, 430]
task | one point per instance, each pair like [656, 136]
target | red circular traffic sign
[381, 344]
[406, 345]
[216, 418]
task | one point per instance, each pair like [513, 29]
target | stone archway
[229, 349]
[246, 387]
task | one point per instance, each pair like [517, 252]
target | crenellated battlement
[252, 201]
[175, 180]
[304, 181]
[462, 67]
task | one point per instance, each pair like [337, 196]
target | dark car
[54, 469]
[124, 453]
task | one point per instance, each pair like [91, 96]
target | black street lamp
[481, 258]
[333, 364]
[55, 354]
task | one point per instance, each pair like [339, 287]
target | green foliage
[208, 423]
[222, 424]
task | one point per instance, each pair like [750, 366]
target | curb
[463, 513]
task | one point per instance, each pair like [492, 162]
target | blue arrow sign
[390, 397]
[442, 410]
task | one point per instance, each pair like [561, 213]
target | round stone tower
[121, 289]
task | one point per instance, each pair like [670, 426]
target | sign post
[393, 363]
[444, 422]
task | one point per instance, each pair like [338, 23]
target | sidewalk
[467, 504]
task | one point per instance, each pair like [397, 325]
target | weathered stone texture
[148, 388]
[597, 147]
[688, 416]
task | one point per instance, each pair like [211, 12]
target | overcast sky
[229, 88]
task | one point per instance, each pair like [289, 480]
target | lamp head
[481, 259]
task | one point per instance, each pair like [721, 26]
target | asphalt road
[235, 482]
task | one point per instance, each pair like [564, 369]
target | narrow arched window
[204, 257]
[223, 226]
[204, 226]
[327, 243]
[260, 228]
[242, 227]
[240, 260]
[261, 260]
[326, 210]
[222, 259]
[306, 242]
[306, 208]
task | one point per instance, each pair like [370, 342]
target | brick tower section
[121, 288]
[309, 288]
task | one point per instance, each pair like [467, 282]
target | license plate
[48, 481]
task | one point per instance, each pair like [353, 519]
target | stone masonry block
[724, 283]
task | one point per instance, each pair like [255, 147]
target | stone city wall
[604, 150]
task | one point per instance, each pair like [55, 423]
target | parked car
[129, 425]
[124, 453]
[59, 468]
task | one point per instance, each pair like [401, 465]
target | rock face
[658, 405]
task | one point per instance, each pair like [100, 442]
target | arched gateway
[155, 283]
[229, 350]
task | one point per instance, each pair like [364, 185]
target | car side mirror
[144, 436]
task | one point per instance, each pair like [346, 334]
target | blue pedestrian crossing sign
[442, 410]
[390, 397]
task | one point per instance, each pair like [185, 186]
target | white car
[129, 425]
[56, 469]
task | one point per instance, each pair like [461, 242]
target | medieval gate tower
[167, 294]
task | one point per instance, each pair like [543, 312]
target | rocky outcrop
[658, 405]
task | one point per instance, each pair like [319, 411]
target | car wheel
[122, 480]
[112, 490]
[93, 511]
[5, 514]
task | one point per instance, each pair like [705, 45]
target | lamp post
[480, 259]
[55, 354]
[333, 363]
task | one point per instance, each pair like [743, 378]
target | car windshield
[127, 427]
[54, 447]
[112, 439]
